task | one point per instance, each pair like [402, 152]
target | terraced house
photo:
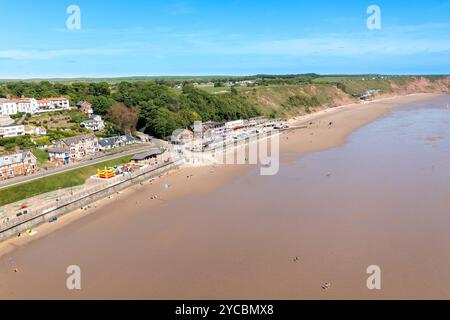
[74, 149]
[19, 164]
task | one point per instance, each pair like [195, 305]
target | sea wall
[33, 219]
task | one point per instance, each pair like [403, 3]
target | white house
[95, 123]
[8, 107]
[53, 104]
[12, 131]
[27, 105]
[31, 105]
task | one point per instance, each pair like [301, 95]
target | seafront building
[150, 158]
[19, 164]
[74, 149]
[116, 142]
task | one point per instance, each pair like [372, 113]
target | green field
[64, 180]
[217, 90]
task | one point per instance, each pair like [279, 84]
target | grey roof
[80, 103]
[107, 142]
[147, 155]
[127, 138]
[78, 139]
[14, 158]
[90, 121]
[58, 150]
[114, 140]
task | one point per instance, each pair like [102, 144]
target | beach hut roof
[147, 155]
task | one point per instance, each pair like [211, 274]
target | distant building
[369, 94]
[143, 137]
[210, 129]
[53, 104]
[95, 123]
[116, 142]
[235, 125]
[181, 137]
[19, 164]
[85, 107]
[257, 121]
[74, 149]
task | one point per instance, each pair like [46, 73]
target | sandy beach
[145, 233]
[346, 119]
[317, 136]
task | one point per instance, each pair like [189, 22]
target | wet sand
[346, 119]
[228, 233]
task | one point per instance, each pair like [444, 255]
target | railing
[84, 194]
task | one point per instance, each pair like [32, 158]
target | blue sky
[233, 37]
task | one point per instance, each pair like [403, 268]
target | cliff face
[423, 85]
[289, 100]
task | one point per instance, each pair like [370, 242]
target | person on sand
[326, 286]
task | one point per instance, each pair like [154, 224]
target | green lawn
[64, 180]
[41, 155]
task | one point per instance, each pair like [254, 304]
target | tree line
[146, 106]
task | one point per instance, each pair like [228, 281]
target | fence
[85, 197]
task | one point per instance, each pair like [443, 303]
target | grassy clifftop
[160, 106]
[328, 92]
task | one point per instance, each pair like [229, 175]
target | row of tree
[142, 105]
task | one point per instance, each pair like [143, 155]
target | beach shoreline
[316, 135]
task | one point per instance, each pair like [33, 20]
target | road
[19, 180]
